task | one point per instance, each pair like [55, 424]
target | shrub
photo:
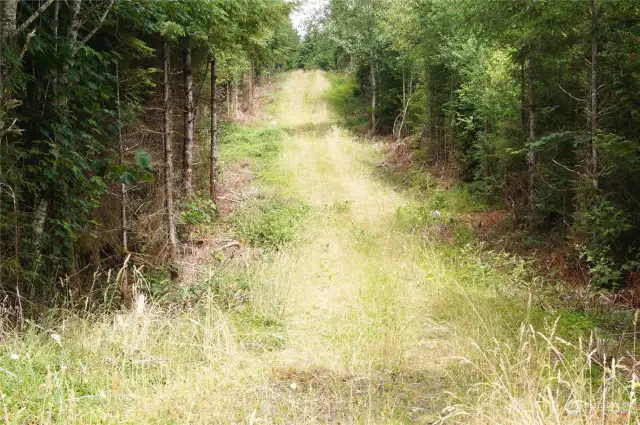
[600, 226]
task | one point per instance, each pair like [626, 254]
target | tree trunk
[523, 98]
[74, 22]
[249, 97]
[374, 89]
[168, 154]
[214, 130]
[594, 92]
[235, 100]
[8, 18]
[189, 123]
[39, 220]
[532, 156]
[123, 188]
[227, 92]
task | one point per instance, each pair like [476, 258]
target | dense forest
[533, 103]
[102, 116]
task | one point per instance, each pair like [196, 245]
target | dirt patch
[235, 187]
[332, 398]
[400, 156]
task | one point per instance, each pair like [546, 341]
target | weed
[270, 223]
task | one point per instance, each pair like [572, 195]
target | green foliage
[71, 97]
[343, 98]
[198, 211]
[240, 142]
[501, 93]
[600, 226]
[270, 223]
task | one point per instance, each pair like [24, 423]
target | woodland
[532, 103]
[319, 212]
[100, 107]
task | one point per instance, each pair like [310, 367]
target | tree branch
[97, 27]
[26, 43]
[33, 17]
[570, 95]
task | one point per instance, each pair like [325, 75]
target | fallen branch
[32, 18]
[228, 245]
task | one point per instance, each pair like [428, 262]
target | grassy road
[360, 320]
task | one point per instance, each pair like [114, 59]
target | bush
[344, 98]
[600, 226]
[198, 211]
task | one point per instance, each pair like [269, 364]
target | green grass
[241, 142]
[270, 223]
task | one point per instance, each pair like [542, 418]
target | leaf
[143, 160]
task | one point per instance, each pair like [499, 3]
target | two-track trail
[360, 346]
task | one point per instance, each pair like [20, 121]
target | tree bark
[594, 92]
[123, 188]
[235, 100]
[532, 156]
[74, 22]
[8, 18]
[249, 82]
[228, 93]
[523, 98]
[39, 220]
[189, 123]
[168, 153]
[214, 131]
[374, 89]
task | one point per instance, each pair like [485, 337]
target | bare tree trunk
[532, 156]
[74, 22]
[168, 154]
[523, 100]
[594, 92]
[8, 18]
[235, 100]
[249, 82]
[374, 90]
[189, 123]
[214, 130]
[227, 92]
[39, 220]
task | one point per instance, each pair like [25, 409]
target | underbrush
[531, 353]
[344, 98]
[132, 367]
[523, 355]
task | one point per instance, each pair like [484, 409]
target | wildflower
[57, 338]
[14, 356]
